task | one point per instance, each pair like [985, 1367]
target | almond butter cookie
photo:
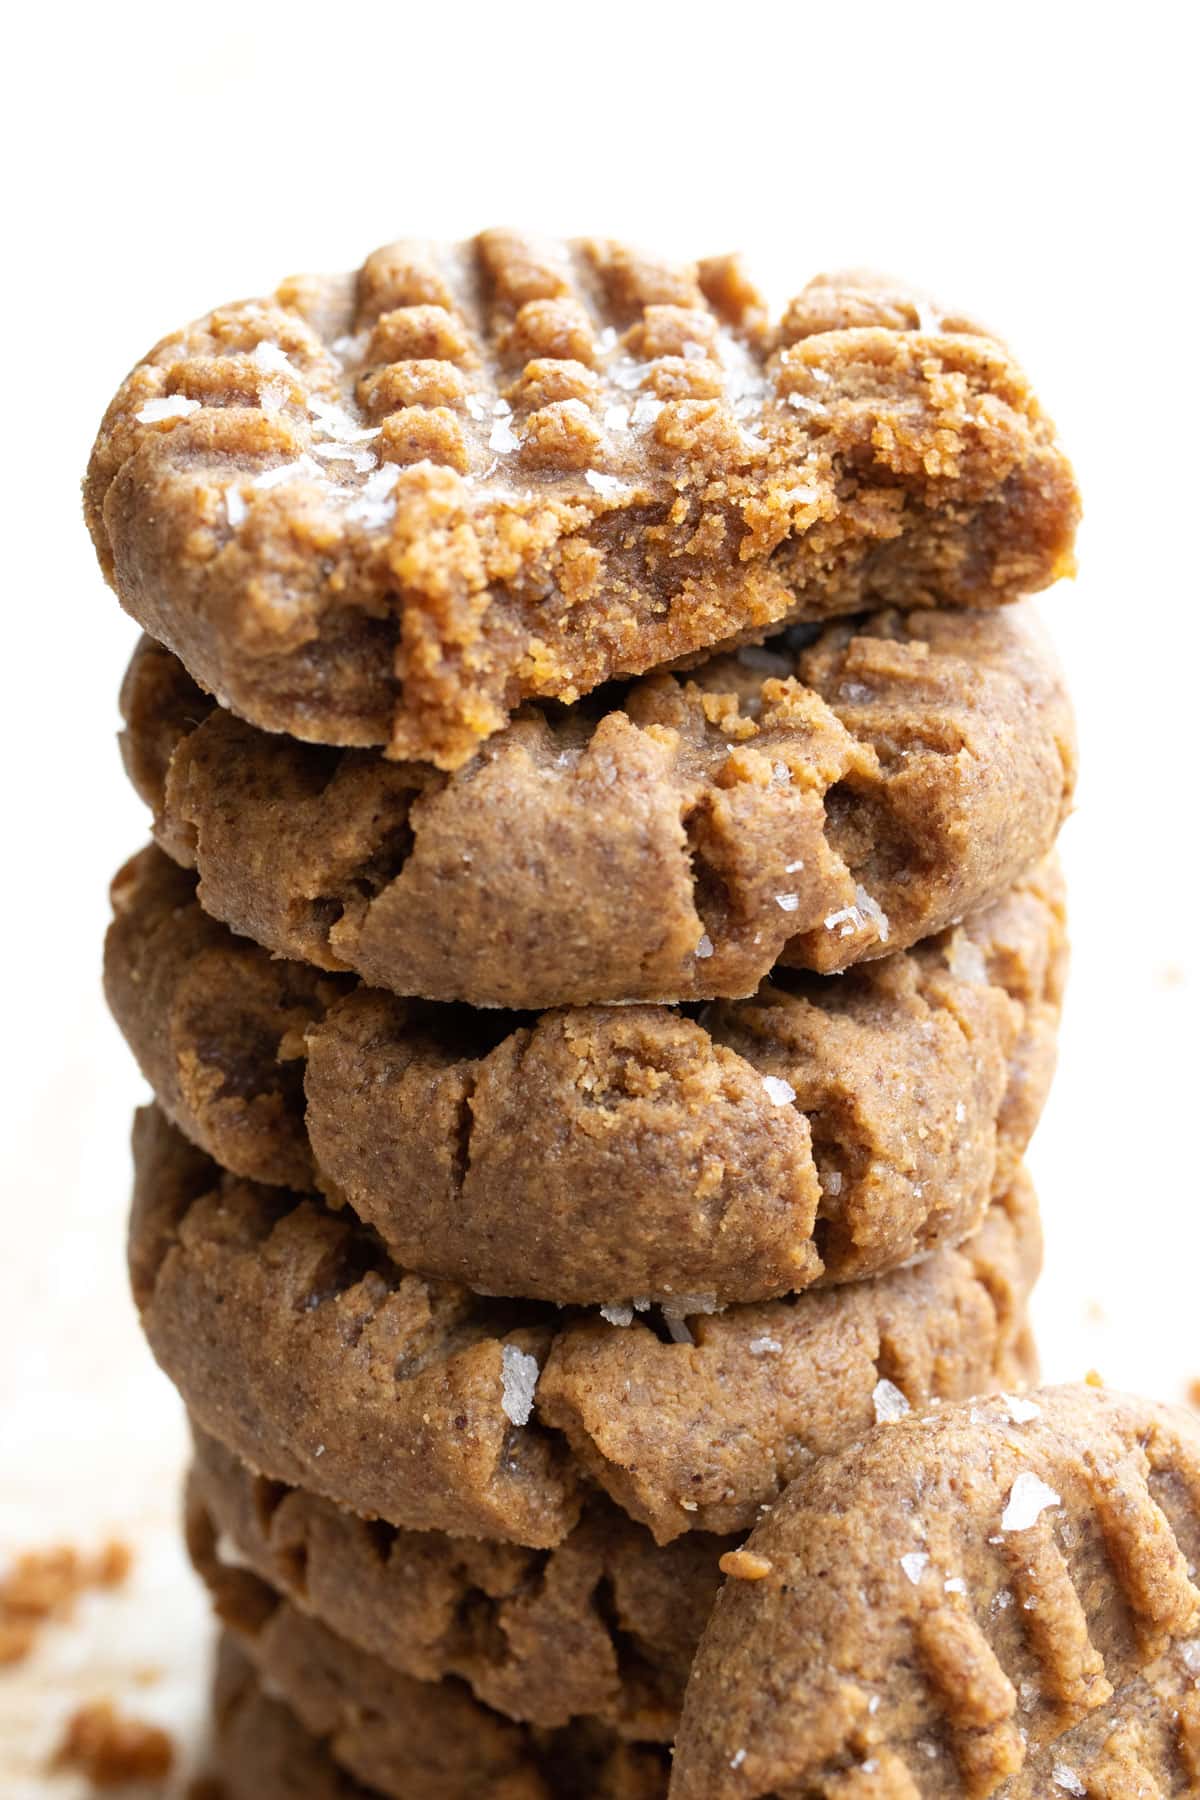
[811, 802]
[388, 507]
[987, 1600]
[603, 1627]
[821, 1132]
[317, 1712]
[297, 1342]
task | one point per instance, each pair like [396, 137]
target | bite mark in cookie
[364, 518]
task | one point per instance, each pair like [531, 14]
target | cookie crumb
[745, 1565]
[45, 1584]
[110, 1749]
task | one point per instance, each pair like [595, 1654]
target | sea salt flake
[608, 338]
[832, 1182]
[1066, 1778]
[168, 406]
[915, 1565]
[955, 1585]
[765, 1346]
[737, 1759]
[694, 352]
[890, 1403]
[374, 505]
[475, 407]
[704, 948]
[646, 410]
[351, 344]
[502, 438]
[1190, 1653]
[362, 460]
[792, 868]
[960, 1112]
[1027, 1501]
[235, 507]
[270, 357]
[1021, 1411]
[871, 909]
[606, 485]
[335, 422]
[518, 1378]
[787, 902]
[501, 409]
[617, 1313]
[303, 467]
[845, 921]
[779, 1091]
[616, 418]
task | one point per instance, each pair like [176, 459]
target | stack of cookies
[598, 967]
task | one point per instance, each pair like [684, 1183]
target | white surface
[1028, 160]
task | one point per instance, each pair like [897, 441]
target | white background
[1035, 163]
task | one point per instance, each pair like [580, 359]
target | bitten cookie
[605, 1626]
[823, 1131]
[387, 508]
[994, 1599]
[415, 1743]
[295, 1340]
[810, 802]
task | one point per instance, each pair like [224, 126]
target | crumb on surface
[43, 1585]
[745, 1565]
[1193, 1392]
[111, 1749]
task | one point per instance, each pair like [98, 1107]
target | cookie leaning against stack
[588, 1093]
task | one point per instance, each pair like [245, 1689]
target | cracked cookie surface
[310, 1720]
[815, 804]
[603, 1627]
[822, 1132]
[387, 508]
[297, 1342]
[987, 1600]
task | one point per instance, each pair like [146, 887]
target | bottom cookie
[284, 1729]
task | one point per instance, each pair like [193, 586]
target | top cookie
[387, 508]
[991, 1599]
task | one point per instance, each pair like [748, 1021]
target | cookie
[604, 1627]
[822, 1132]
[264, 1752]
[812, 804]
[296, 1342]
[387, 508]
[994, 1599]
